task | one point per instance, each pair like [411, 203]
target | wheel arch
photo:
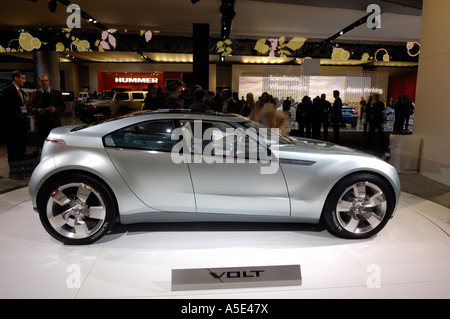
[383, 177]
[80, 172]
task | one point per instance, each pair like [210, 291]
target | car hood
[309, 146]
[98, 102]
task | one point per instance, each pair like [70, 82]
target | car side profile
[176, 165]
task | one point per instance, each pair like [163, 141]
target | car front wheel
[76, 209]
[359, 206]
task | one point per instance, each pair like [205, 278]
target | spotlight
[194, 1]
[52, 5]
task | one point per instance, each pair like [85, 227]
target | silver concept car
[175, 165]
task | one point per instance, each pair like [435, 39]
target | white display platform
[410, 258]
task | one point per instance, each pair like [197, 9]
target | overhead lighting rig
[52, 5]
[338, 34]
[227, 15]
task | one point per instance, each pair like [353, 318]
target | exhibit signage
[135, 80]
[236, 277]
[352, 88]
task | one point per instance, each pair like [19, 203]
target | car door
[122, 104]
[137, 100]
[142, 155]
[226, 182]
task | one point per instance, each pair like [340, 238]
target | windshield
[106, 96]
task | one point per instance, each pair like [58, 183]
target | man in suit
[228, 104]
[336, 115]
[16, 120]
[152, 100]
[47, 105]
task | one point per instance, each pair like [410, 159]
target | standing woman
[249, 105]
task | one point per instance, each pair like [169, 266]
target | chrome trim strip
[296, 162]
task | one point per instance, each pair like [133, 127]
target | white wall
[432, 117]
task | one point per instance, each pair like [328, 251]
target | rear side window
[138, 96]
[150, 135]
[122, 97]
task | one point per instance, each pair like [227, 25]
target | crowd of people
[313, 116]
[263, 110]
[403, 108]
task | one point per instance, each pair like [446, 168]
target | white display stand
[405, 151]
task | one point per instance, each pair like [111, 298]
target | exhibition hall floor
[410, 258]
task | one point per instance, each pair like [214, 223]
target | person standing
[199, 104]
[190, 99]
[287, 105]
[362, 108]
[316, 117]
[16, 120]
[325, 110]
[368, 116]
[336, 115]
[303, 117]
[376, 123]
[152, 100]
[47, 106]
[249, 105]
[228, 104]
[409, 110]
[171, 100]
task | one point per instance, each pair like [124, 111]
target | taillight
[55, 141]
[354, 111]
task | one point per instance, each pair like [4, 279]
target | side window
[151, 135]
[122, 97]
[216, 138]
[138, 96]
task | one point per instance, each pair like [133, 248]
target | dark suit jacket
[336, 111]
[56, 100]
[11, 105]
[232, 107]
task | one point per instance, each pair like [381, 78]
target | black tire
[359, 206]
[76, 209]
[87, 118]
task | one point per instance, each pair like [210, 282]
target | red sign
[135, 81]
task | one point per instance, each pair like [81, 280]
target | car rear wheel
[76, 209]
[359, 206]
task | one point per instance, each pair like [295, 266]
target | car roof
[136, 117]
[178, 113]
